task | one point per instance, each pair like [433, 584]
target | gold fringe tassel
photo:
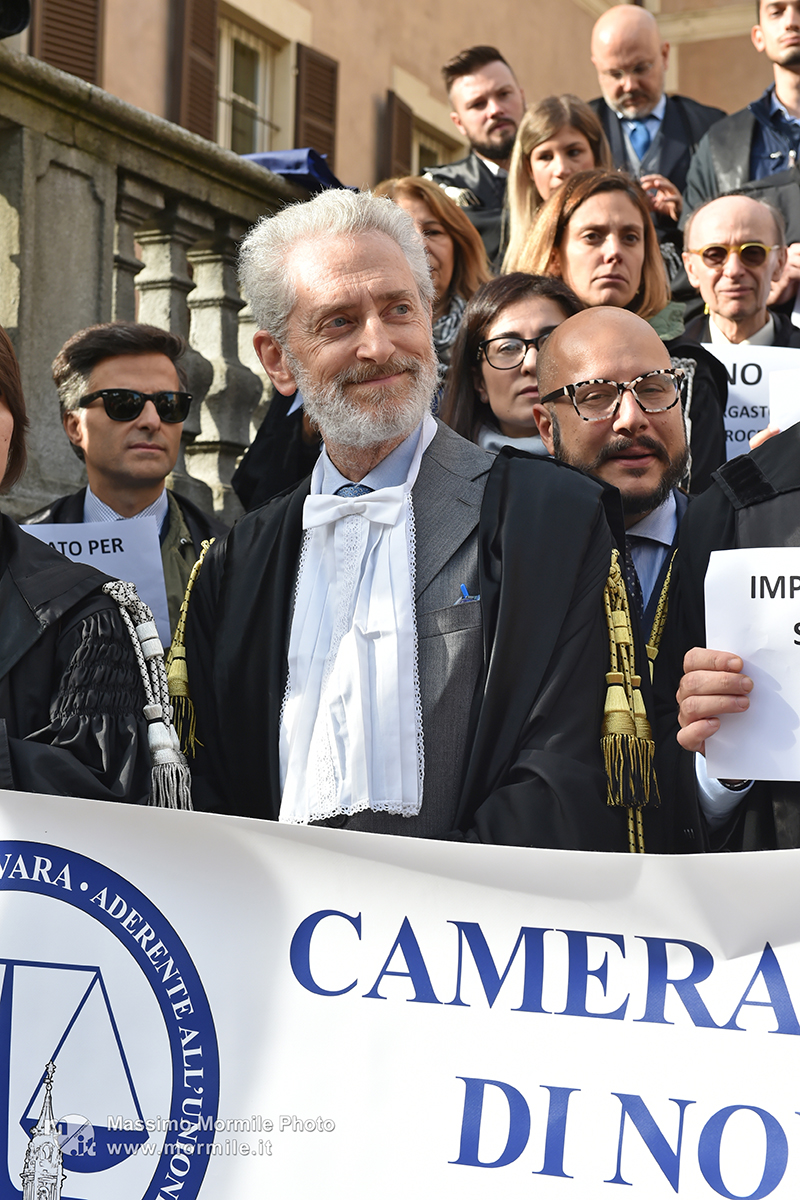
[183, 715]
[627, 741]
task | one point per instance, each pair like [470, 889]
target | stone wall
[107, 212]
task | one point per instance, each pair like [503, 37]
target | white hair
[268, 285]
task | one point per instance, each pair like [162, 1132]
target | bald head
[640, 451]
[630, 58]
[735, 279]
[595, 342]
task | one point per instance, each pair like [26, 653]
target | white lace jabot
[351, 723]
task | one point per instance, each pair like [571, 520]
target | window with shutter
[398, 142]
[67, 34]
[193, 99]
[315, 109]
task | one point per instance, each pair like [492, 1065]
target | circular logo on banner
[109, 1065]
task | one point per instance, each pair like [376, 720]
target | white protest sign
[784, 398]
[753, 610]
[126, 550]
[238, 1009]
[749, 369]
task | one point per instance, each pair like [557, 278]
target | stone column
[163, 285]
[235, 391]
[137, 201]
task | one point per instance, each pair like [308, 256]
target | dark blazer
[685, 121]
[754, 501]
[786, 334]
[68, 510]
[71, 696]
[479, 192]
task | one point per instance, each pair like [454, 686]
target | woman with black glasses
[491, 387]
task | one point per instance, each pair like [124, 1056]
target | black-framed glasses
[503, 353]
[125, 404]
[599, 399]
[750, 254]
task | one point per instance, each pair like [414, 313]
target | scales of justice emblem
[73, 1142]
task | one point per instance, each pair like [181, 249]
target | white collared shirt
[762, 337]
[95, 509]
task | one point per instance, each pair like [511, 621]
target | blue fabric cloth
[304, 167]
[776, 139]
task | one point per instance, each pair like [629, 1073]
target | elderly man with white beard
[413, 641]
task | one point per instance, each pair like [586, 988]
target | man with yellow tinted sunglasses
[735, 247]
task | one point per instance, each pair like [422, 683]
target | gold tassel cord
[627, 742]
[183, 715]
[660, 619]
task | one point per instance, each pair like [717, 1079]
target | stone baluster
[163, 285]
[235, 391]
[137, 202]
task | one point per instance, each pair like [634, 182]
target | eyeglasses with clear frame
[505, 353]
[599, 399]
[750, 254]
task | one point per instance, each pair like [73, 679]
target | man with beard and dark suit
[635, 440]
[488, 104]
[361, 650]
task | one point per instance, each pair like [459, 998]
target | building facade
[360, 81]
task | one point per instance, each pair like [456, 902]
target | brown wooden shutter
[397, 144]
[193, 101]
[315, 108]
[67, 34]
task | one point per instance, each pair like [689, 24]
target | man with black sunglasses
[735, 248]
[124, 396]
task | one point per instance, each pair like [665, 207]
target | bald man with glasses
[735, 249]
[124, 396]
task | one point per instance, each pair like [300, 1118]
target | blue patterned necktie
[353, 489]
[640, 138]
[635, 597]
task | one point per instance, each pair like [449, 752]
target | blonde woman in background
[557, 137]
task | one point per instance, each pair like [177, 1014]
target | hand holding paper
[713, 685]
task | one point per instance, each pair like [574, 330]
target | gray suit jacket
[447, 506]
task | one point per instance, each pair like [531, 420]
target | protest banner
[749, 369]
[127, 549]
[237, 1009]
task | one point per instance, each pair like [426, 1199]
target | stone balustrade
[109, 213]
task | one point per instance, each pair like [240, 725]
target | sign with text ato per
[126, 550]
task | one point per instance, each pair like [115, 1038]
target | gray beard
[386, 417]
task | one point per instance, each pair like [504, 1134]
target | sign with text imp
[126, 550]
[753, 610]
